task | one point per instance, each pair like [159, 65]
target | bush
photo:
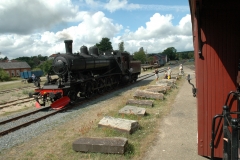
[4, 76]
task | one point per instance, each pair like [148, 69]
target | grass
[30, 154]
[12, 112]
[15, 85]
[26, 92]
[139, 140]
[3, 101]
[18, 84]
[57, 144]
[23, 108]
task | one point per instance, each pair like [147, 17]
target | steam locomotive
[84, 74]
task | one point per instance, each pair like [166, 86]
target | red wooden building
[14, 68]
[159, 59]
[216, 34]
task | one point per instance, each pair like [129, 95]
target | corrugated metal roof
[13, 65]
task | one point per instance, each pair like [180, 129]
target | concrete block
[146, 94]
[132, 110]
[139, 102]
[167, 84]
[160, 85]
[168, 80]
[157, 90]
[119, 124]
[115, 145]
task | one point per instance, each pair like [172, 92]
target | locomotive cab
[129, 69]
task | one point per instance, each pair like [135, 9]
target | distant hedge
[4, 76]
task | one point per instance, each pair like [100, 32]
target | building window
[13, 73]
[8, 73]
[18, 73]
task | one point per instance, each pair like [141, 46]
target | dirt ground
[18, 95]
[14, 96]
[176, 136]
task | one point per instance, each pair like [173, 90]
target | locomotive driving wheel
[115, 81]
[101, 86]
[108, 83]
[73, 96]
[135, 78]
[88, 90]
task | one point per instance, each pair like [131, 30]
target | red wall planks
[216, 71]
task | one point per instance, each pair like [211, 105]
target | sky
[39, 27]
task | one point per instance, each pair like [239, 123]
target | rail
[15, 102]
[53, 112]
[37, 118]
[14, 89]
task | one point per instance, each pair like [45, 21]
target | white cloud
[114, 5]
[27, 16]
[25, 24]
[159, 34]
[164, 8]
[89, 32]
[185, 25]
[159, 25]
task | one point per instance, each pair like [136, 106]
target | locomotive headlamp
[59, 65]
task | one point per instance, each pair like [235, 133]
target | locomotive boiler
[85, 73]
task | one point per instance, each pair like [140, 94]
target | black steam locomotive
[84, 74]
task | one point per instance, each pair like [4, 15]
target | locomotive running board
[60, 103]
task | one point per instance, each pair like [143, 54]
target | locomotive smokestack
[68, 46]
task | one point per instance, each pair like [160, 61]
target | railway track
[13, 124]
[15, 89]
[24, 120]
[15, 102]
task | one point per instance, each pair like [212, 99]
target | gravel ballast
[36, 129]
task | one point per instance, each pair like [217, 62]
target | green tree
[121, 46]
[5, 58]
[33, 61]
[46, 66]
[36, 60]
[4, 76]
[186, 55]
[140, 55]
[190, 55]
[171, 52]
[150, 58]
[141, 49]
[104, 45]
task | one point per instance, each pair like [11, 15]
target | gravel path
[177, 138]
